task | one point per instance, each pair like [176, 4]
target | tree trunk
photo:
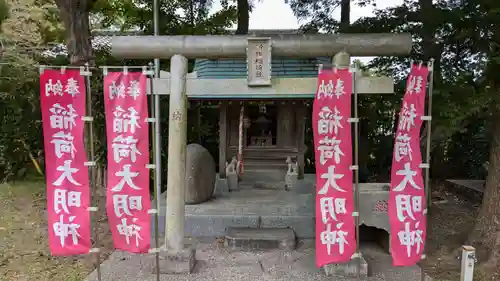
[4, 12]
[438, 169]
[485, 235]
[345, 15]
[75, 15]
[243, 17]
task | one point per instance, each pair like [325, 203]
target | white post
[468, 260]
[177, 142]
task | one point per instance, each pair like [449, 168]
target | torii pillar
[180, 48]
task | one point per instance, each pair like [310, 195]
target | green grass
[24, 253]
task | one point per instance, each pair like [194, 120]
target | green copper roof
[237, 68]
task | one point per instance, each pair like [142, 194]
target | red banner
[335, 225]
[62, 98]
[407, 194]
[127, 131]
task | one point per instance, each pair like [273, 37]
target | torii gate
[179, 48]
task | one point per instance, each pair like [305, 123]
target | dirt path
[451, 218]
[24, 253]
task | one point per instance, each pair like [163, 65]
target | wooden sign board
[259, 61]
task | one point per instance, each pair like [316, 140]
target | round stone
[200, 174]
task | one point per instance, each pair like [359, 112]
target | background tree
[486, 233]
[463, 38]
[36, 25]
[175, 17]
[4, 12]
[20, 137]
[75, 16]
[243, 17]
[345, 15]
[243, 9]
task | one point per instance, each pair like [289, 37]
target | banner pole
[154, 171]
[157, 114]
[94, 220]
[428, 118]
[356, 165]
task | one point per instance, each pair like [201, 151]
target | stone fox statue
[231, 166]
[292, 167]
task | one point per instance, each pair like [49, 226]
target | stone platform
[476, 185]
[249, 238]
[268, 205]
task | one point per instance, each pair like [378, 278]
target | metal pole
[156, 141]
[430, 65]
[91, 158]
[356, 165]
[155, 172]
[156, 9]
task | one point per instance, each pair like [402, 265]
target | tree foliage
[19, 113]
[175, 17]
[20, 138]
[464, 38]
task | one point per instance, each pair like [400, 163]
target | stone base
[221, 187]
[349, 269]
[291, 180]
[232, 181]
[302, 187]
[256, 239]
[177, 263]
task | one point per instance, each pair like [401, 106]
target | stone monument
[200, 174]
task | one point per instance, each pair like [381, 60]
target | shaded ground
[24, 253]
[451, 219]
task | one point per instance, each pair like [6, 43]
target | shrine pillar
[177, 143]
[223, 139]
[300, 120]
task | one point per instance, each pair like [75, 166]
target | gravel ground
[216, 263]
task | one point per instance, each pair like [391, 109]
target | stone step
[265, 148]
[273, 185]
[270, 156]
[265, 153]
[255, 239]
[261, 164]
[263, 173]
[205, 225]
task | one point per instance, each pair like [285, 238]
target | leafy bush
[20, 117]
